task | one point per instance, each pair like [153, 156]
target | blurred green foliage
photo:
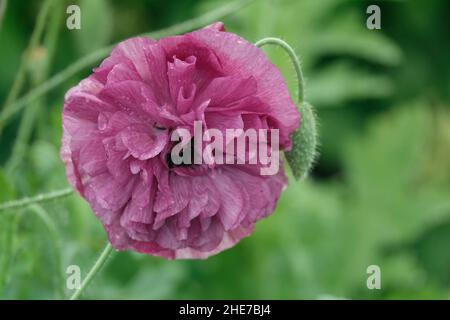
[380, 193]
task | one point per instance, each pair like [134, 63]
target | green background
[379, 193]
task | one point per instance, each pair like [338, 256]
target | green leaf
[340, 83]
[304, 143]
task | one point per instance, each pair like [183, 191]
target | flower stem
[94, 270]
[84, 62]
[294, 59]
[38, 72]
[3, 5]
[56, 243]
[21, 73]
[14, 204]
[303, 153]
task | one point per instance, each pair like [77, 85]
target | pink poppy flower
[117, 126]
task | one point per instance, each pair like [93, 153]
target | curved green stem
[86, 61]
[14, 204]
[303, 153]
[94, 270]
[286, 47]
